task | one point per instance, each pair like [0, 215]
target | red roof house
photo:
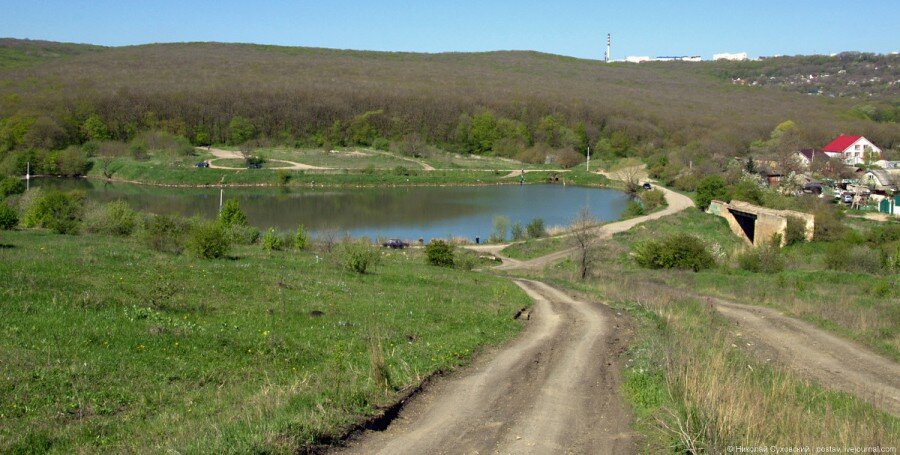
[851, 149]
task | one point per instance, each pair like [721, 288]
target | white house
[852, 149]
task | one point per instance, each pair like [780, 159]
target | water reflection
[406, 212]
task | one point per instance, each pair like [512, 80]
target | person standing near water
[522, 178]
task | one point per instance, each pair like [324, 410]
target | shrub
[766, 259]
[382, 144]
[10, 186]
[828, 224]
[166, 234]
[517, 233]
[686, 183]
[465, 260]
[536, 228]
[301, 238]
[114, 218]
[8, 217]
[208, 241]
[653, 199]
[271, 241]
[709, 188]
[633, 209]
[242, 235]
[501, 226]
[401, 171]
[887, 233]
[360, 256]
[284, 178]
[679, 251]
[747, 191]
[842, 256]
[795, 231]
[232, 214]
[439, 253]
[60, 212]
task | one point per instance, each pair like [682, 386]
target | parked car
[395, 243]
[647, 186]
[847, 198]
[202, 164]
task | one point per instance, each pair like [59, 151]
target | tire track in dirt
[832, 361]
[554, 389]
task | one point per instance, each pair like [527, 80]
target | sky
[567, 27]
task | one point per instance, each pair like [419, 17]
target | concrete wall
[768, 221]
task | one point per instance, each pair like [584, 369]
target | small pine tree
[232, 215]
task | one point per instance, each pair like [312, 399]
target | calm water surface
[408, 212]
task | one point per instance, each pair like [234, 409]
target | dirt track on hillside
[676, 203]
[555, 389]
[834, 362]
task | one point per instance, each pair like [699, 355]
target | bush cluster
[652, 199]
[439, 253]
[678, 251]
[55, 210]
[208, 240]
[166, 234]
[272, 241]
[633, 209]
[360, 256]
[8, 216]
[114, 218]
[766, 259]
[536, 228]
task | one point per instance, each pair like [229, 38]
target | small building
[808, 157]
[852, 149]
[879, 180]
[726, 56]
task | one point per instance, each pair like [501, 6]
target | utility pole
[221, 198]
[587, 165]
[608, 47]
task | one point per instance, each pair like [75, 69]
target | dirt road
[228, 154]
[813, 353]
[552, 390]
[677, 202]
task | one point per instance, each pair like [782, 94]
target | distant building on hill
[852, 150]
[726, 56]
[637, 59]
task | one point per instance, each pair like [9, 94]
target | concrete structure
[637, 59]
[727, 56]
[852, 149]
[757, 225]
[679, 58]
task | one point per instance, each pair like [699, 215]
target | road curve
[555, 389]
[676, 203]
[813, 353]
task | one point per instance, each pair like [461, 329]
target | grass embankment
[108, 346]
[533, 248]
[182, 172]
[689, 375]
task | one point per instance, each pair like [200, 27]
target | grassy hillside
[319, 95]
[263, 352]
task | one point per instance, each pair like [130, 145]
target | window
[857, 146]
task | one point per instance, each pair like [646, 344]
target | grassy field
[362, 158]
[108, 346]
[690, 382]
[183, 172]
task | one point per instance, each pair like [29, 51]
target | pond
[396, 212]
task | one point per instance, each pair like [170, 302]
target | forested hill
[492, 102]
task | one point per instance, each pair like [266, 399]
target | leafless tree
[584, 240]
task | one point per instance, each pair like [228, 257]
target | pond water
[399, 212]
